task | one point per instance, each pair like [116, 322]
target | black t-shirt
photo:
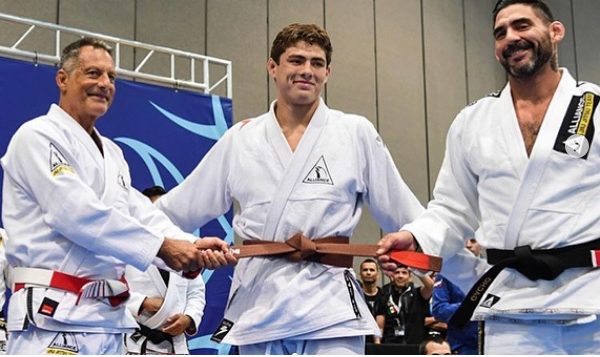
[405, 313]
[373, 301]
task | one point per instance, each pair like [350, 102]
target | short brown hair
[294, 33]
[70, 54]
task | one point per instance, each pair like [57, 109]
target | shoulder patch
[58, 163]
[577, 129]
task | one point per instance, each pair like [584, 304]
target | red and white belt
[116, 291]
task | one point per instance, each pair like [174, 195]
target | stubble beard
[542, 54]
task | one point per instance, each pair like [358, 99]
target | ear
[327, 73]
[557, 31]
[61, 80]
[271, 67]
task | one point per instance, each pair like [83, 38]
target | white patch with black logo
[490, 300]
[319, 174]
[58, 163]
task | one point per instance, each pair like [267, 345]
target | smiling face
[300, 75]
[524, 41]
[401, 277]
[87, 86]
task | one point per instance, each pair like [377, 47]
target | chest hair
[530, 117]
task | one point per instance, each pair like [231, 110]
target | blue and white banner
[163, 133]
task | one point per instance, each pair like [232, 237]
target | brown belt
[334, 251]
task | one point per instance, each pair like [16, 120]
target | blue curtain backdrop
[163, 133]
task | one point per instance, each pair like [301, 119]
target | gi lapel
[78, 132]
[539, 156]
[76, 254]
[293, 163]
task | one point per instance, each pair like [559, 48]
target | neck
[290, 117]
[370, 288]
[401, 288]
[540, 87]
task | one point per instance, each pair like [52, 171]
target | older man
[75, 221]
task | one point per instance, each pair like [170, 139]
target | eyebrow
[518, 21]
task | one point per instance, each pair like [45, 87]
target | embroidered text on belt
[116, 291]
[536, 264]
[334, 251]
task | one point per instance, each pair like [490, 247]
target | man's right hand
[403, 240]
[180, 255]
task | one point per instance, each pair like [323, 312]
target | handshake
[188, 257]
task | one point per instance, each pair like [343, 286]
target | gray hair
[70, 54]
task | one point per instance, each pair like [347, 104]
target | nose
[511, 35]
[306, 71]
[104, 81]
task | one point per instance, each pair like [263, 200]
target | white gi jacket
[67, 207]
[548, 200]
[318, 190]
[181, 296]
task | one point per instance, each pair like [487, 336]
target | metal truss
[219, 68]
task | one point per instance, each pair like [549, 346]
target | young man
[522, 166]
[74, 221]
[301, 170]
[166, 305]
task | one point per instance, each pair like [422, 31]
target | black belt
[155, 336]
[545, 264]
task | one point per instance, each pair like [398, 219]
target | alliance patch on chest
[65, 343]
[319, 174]
[577, 129]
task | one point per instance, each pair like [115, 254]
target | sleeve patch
[58, 163]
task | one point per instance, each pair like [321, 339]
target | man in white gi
[74, 221]
[522, 166]
[300, 169]
[165, 305]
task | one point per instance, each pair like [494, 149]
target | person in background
[404, 307]
[166, 305]
[446, 299]
[435, 346]
[3, 281]
[369, 277]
